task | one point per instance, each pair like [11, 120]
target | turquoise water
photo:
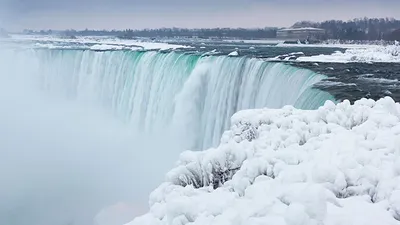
[188, 95]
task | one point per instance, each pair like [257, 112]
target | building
[302, 34]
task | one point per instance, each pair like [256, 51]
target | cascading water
[219, 87]
[188, 95]
[80, 129]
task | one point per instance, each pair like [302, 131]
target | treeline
[218, 33]
[358, 29]
[204, 33]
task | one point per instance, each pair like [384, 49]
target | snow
[390, 53]
[234, 53]
[327, 83]
[261, 41]
[51, 46]
[350, 53]
[213, 52]
[332, 44]
[99, 43]
[337, 165]
[105, 47]
[380, 80]
[287, 57]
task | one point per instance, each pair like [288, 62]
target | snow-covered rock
[337, 165]
[234, 53]
[290, 56]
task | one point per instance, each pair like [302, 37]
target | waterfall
[190, 96]
[81, 129]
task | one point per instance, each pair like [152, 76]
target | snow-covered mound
[234, 53]
[390, 53]
[338, 165]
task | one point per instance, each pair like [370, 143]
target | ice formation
[390, 53]
[338, 165]
[98, 43]
[234, 53]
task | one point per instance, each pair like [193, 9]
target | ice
[374, 53]
[234, 53]
[97, 43]
[337, 165]
[380, 80]
[287, 57]
[51, 46]
[103, 47]
[261, 41]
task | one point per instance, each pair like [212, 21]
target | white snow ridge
[338, 165]
[389, 54]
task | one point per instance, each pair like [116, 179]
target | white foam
[380, 80]
[327, 83]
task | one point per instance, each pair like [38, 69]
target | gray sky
[120, 14]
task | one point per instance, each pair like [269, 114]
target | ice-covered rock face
[337, 165]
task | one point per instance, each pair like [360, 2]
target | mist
[63, 161]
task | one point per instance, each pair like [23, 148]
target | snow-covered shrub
[338, 165]
[202, 169]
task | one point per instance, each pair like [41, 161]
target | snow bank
[390, 53]
[104, 47]
[337, 165]
[101, 43]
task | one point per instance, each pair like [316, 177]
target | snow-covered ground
[95, 43]
[352, 53]
[338, 165]
[234, 53]
[390, 53]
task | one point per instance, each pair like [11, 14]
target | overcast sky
[120, 14]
